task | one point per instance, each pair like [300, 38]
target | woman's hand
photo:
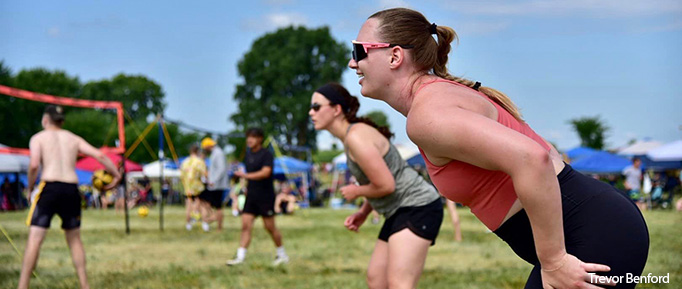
[354, 221]
[570, 272]
[350, 192]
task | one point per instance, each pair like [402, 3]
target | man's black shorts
[58, 198]
[423, 221]
[261, 206]
[213, 197]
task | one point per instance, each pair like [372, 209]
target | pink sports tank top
[489, 194]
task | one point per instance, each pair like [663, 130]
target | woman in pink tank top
[481, 153]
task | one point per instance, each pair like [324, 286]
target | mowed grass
[323, 253]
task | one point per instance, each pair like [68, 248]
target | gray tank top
[411, 190]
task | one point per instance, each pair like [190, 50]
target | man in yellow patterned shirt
[193, 168]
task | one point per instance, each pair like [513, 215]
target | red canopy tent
[91, 164]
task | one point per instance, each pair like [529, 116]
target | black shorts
[59, 198]
[260, 206]
[213, 197]
[423, 221]
[600, 226]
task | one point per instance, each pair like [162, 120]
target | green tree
[20, 117]
[5, 74]
[140, 95]
[280, 72]
[591, 130]
[378, 117]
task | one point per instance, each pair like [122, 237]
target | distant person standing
[633, 182]
[260, 196]
[218, 183]
[56, 150]
[454, 217]
[192, 169]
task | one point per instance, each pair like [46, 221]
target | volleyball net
[72, 102]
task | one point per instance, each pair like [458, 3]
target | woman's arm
[365, 153]
[475, 139]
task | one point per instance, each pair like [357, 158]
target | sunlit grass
[323, 254]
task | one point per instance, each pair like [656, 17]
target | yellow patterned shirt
[191, 171]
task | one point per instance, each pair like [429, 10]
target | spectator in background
[5, 195]
[285, 202]
[633, 182]
[218, 182]
[146, 193]
[192, 169]
[452, 210]
[119, 198]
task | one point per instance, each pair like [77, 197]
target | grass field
[323, 254]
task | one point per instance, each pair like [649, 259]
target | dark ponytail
[350, 106]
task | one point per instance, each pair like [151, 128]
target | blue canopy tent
[601, 162]
[84, 177]
[11, 177]
[648, 164]
[416, 160]
[580, 152]
[292, 165]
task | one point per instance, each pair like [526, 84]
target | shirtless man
[56, 151]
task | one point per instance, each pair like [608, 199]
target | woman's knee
[400, 281]
[376, 279]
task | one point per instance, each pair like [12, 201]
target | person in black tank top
[260, 197]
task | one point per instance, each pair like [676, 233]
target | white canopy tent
[13, 163]
[10, 163]
[639, 148]
[153, 170]
[668, 152]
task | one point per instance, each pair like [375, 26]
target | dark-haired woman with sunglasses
[480, 152]
[412, 207]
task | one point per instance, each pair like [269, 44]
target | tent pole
[161, 157]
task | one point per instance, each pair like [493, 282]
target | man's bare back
[58, 151]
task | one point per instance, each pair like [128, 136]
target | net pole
[125, 193]
[161, 159]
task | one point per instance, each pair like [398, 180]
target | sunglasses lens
[358, 52]
[315, 106]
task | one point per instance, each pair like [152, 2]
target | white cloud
[594, 8]
[554, 135]
[384, 4]
[278, 2]
[110, 21]
[286, 19]
[481, 28]
[53, 32]
[674, 26]
[275, 20]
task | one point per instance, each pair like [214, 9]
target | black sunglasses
[316, 106]
[360, 49]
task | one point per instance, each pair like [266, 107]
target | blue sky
[558, 60]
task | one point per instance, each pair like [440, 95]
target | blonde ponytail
[409, 27]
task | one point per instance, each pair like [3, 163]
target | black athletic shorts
[600, 226]
[260, 206]
[58, 198]
[213, 197]
[423, 221]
